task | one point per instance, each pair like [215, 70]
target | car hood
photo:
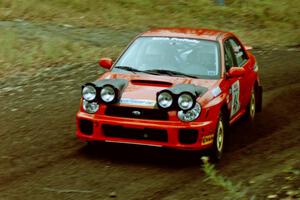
[142, 88]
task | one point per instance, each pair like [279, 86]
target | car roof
[207, 34]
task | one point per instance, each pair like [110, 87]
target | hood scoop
[151, 83]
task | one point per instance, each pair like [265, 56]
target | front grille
[139, 113]
[133, 133]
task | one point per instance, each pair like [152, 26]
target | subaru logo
[136, 113]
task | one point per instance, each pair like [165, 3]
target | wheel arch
[226, 113]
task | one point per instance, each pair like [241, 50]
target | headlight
[186, 101]
[89, 93]
[190, 115]
[164, 100]
[108, 94]
[90, 107]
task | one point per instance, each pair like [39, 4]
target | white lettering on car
[143, 102]
[177, 39]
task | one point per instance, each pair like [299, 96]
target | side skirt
[237, 116]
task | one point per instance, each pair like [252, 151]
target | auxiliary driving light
[186, 101]
[89, 92]
[165, 99]
[108, 94]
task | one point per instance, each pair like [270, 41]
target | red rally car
[174, 87]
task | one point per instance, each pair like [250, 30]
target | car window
[189, 56]
[239, 53]
[228, 55]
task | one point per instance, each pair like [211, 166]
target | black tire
[259, 98]
[91, 145]
[251, 108]
[217, 149]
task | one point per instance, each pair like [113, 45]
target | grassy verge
[21, 54]
[268, 22]
[233, 191]
[258, 23]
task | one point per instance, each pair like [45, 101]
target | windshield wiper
[169, 72]
[127, 68]
[155, 71]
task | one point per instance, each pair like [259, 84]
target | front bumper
[170, 134]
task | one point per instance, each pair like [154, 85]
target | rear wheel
[217, 149]
[251, 108]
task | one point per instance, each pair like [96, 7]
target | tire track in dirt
[24, 173]
[182, 180]
[20, 133]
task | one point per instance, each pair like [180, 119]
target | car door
[232, 84]
[235, 84]
[241, 60]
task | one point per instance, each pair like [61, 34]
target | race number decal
[235, 101]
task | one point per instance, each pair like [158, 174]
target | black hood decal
[191, 88]
[117, 83]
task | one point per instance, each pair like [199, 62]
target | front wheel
[217, 149]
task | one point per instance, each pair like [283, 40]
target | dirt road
[40, 158]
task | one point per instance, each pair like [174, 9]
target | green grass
[256, 22]
[233, 191]
[262, 22]
[20, 54]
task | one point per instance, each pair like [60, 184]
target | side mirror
[248, 48]
[105, 63]
[236, 72]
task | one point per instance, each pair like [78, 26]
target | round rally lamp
[108, 94]
[89, 92]
[164, 99]
[186, 101]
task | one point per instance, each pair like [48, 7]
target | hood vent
[152, 83]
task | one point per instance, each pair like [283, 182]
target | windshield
[180, 56]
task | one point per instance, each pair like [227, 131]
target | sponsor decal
[235, 101]
[142, 102]
[177, 39]
[207, 139]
